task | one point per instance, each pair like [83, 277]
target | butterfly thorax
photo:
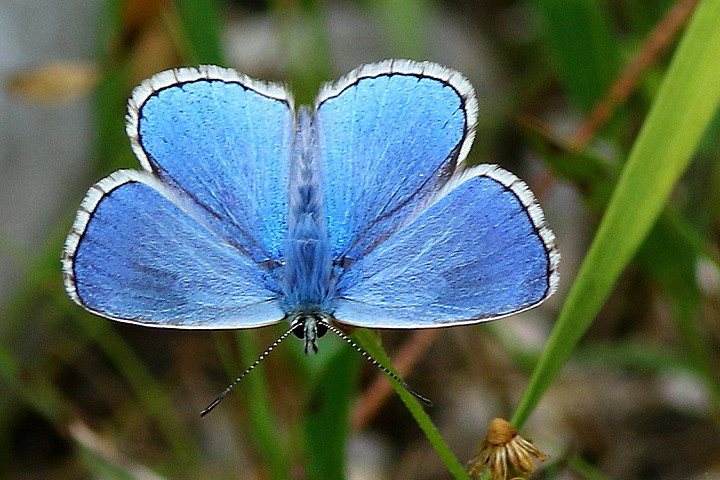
[307, 274]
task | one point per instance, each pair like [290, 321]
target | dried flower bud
[505, 453]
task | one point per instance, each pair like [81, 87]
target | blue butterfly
[358, 211]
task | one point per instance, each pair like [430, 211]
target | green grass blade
[151, 393]
[265, 435]
[672, 261]
[327, 410]
[405, 25]
[670, 253]
[584, 469]
[303, 35]
[685, 104]
[583, 45]
[201, 30]
[369, 341]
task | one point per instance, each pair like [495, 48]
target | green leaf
[686, 103]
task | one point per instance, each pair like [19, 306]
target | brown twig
[105, 449]
[659, 39]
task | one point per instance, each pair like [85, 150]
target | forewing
[137, 253]
[224, 140]
[480, 252]
[390, 136]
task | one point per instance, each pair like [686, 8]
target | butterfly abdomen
[306, 277]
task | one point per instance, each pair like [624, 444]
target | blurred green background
[607, 109]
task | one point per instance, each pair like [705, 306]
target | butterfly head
[309, 326]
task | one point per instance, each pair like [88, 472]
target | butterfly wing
[481, 251]
[224, 139]
[190, 241]
[390, 136]
[138, 253]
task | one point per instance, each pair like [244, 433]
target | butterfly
[359, 210]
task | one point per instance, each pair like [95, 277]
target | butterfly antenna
[424, 400]
[224, 393]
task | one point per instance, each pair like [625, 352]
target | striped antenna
[224, 393]
[424, 400]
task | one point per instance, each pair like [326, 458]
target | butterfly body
[357, 210]
[307, 271]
